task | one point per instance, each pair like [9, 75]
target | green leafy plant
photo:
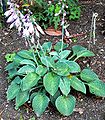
[49, 74]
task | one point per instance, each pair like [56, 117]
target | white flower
[39, 29]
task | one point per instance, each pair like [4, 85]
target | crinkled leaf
[40, 103]
[25, 54]
[97, 87]
[51, 83]
[78, 84]
[65, 85]
[41, 70]
[26, 69]
[12, 91]
[65, 105]
[88, 75]
[29, 81]
[21, 98]
[64, 54]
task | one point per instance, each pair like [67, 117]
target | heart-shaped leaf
[21, 98]
[40, 103]
[88, 75]
[65, 105]
[12, 91]
[78, 84]
[41, 70]
[29, 81]
[51, 82]
[65, 85]
[97, 87]
[64, 54]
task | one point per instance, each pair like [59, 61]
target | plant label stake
[93, 29]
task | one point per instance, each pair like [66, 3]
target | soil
[88, 107]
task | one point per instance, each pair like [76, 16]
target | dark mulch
[88, 106]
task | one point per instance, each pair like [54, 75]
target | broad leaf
[17, 80]
[53, 53]
[78, 84]
[41, 70]
[65, 105]
[25, 54]
[29, 81]
[51, 83]
[97, 87]
[33, 95]
[65, 85]
[27, 62]
[73, 66]
[12, 91]
[64, 54]
[88, 75]
[40, 103]
[21, 98]
[47, 61]
[26, 69]
[10, 66]
[62, 68]
[78, 48]
[85, 53]
[18, 59]
[12, 73]
[58, 45]
[47, 46]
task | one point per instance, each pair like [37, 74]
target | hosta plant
[48, 74]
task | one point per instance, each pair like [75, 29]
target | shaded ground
[88, 106]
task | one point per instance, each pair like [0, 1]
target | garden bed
[88, 107]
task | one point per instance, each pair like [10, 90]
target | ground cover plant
[47, 73]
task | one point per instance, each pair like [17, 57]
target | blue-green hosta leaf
[47, 61]
[47, 46]
[18, 59]
[64, 54]
[88, 75]
[65, 105]
[65, 85]
[73, 66]
[40, 103]
[85, 53]
[12, 73]
[12, 91]
[97, 87]
[33, 95]
[27, 62]
[62, 68]
[29, 81]
[54, 53]
[51, 83]
[58, 45]
[10, 66]
[25, 54]
[41, 70]
[17, 80]
[21, 98]
[78, 48]
[26, 69]
[78, 84]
